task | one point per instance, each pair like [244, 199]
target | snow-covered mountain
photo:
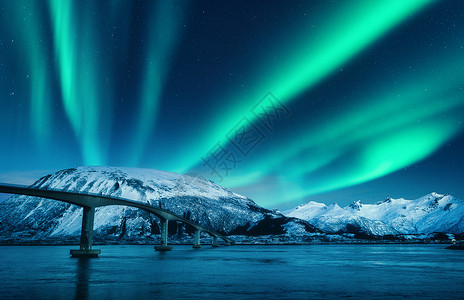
[25, 218]
[428, 214]
[195, 198]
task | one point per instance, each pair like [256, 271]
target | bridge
[89, 202]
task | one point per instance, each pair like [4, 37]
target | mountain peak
[435, 195]
[191, 197]
[431, 213]
[356, 205]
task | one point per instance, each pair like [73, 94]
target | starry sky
[283, 101]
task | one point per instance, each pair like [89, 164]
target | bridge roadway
[90, 201]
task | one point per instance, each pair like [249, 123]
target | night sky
[282, 101]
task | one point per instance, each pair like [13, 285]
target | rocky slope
[25, 218]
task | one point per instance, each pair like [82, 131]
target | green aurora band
[373, 148]
[380, 136]
[418, 100]
[28, 23]
[79, 69]
[347, 34]
[164, 37]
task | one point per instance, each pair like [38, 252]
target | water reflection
[82, 278]
[315, 271]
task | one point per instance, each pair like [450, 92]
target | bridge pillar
[214, 243]
[164, 237]
[196, 239]
[86, 250]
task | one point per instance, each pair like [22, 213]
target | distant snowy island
[26, 219]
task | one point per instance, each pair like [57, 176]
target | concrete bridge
[89, 202]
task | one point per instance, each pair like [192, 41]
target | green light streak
[298, 70]
[164, 36]
[380, 157]
[366, 23]
[395, 113]
[26, 16]
[65, 47]
[78, 62]
[420, 113]
[310, 149]
[91, 102]
[40, 111]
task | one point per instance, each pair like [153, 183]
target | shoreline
[236, 244]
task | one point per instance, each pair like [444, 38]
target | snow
[431, 213]
[194, 198]
[212, 206]
[95, 180]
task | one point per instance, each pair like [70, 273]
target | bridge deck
[90, 201]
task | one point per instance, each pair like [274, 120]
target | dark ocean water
[288, 272]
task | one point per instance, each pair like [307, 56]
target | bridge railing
[31, 187]
[14, 185]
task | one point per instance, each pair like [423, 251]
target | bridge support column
[164, 237]
[196, 239]
[86, 250]
[214, 243]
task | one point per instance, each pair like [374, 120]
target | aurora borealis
[374, 91]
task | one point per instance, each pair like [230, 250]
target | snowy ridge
[194, 198]
[431, 213]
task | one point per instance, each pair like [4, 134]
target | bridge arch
[89, 202]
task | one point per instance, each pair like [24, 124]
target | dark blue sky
[283, 101]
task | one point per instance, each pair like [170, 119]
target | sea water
[251, 272]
